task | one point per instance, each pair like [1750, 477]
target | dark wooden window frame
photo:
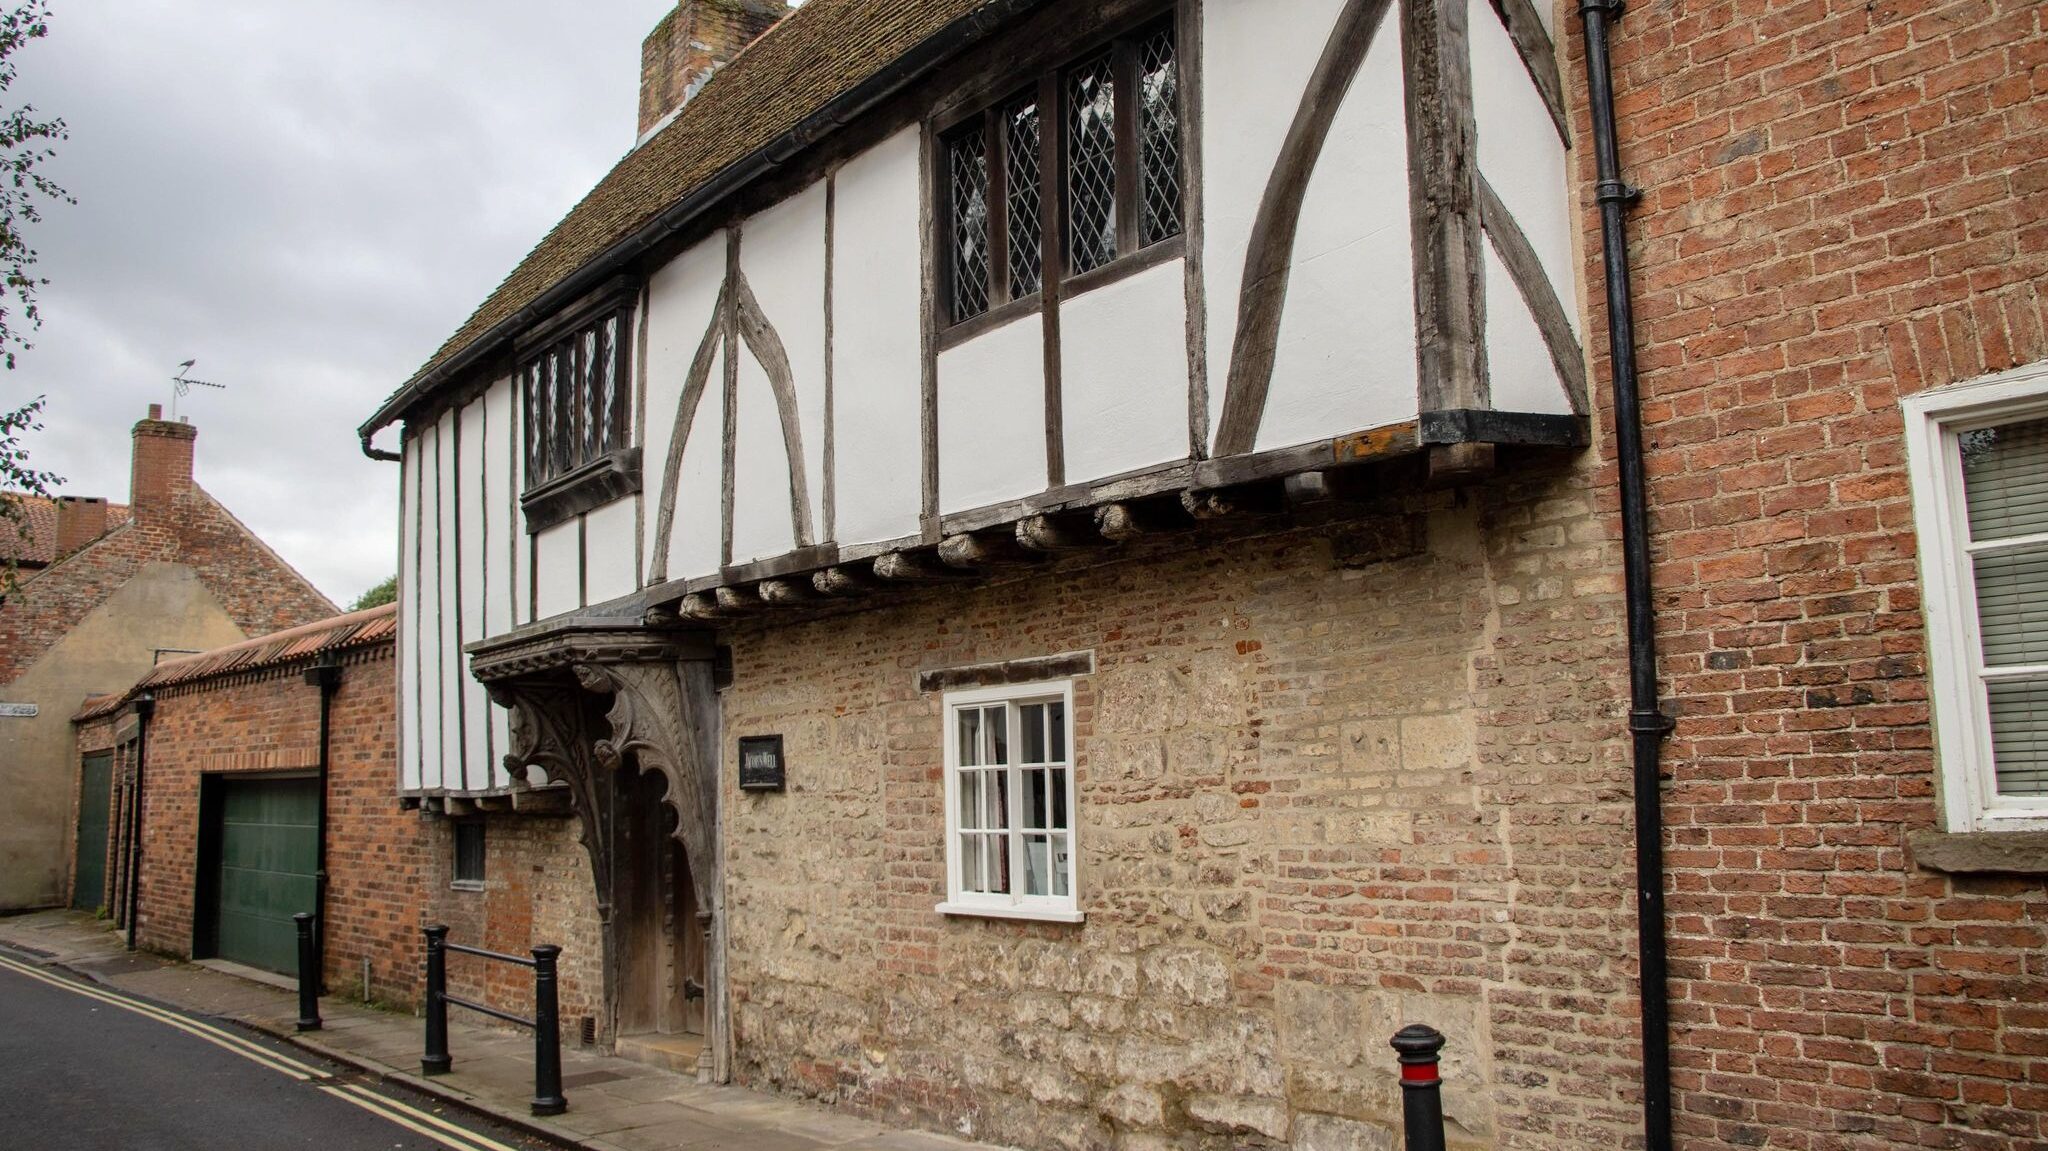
[457, 879]
[587, 479]
[1047, 83]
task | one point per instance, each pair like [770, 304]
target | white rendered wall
[876, 341]
[608, 552]
[501, 547]
[992, 417]
[558, 581]
[782, 254]
[1124, 374]
[1346, 356]
[682, 300]
[408, 616]
[762, 523]
[471, 486]
[1522, 157]
[1254, 69]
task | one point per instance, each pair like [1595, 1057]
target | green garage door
[95, 789]
[269, 848]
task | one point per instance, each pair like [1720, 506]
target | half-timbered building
[1047, 547]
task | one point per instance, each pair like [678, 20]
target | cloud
[308, 198]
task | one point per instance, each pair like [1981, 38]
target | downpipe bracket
[1617, 192]
[1612, 9]
[1650, 722]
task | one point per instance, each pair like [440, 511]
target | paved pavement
[614, 1104]
[96, 1071]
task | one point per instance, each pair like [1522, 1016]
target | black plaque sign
[760, 763]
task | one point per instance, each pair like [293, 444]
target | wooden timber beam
[1054, 533]
[912, 567]
[733, 601]
[786, 591]
[840, 581]
[981, 549]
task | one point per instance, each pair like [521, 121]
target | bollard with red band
[1422, 1101]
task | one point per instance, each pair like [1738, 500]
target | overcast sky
[306, 197]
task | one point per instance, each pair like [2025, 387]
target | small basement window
[1010, 803]
[469, 855]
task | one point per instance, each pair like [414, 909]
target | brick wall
[1328, 785]
[268, 721]
[1845, 205]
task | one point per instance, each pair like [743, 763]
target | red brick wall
[268, 721]
[1845, 204]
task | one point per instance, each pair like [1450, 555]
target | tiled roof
[817, 54]
[356, 629]
[40, 548]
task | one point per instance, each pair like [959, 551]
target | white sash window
[1978, 455]
[1010, 803]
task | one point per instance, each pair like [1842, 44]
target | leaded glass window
[967, 184]
[1158, 138]
[1091, 165]
[576, 398]
[1025, 200]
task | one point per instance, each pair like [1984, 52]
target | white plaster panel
[500, 500]
[448, 668]
[697, 541]
[470, 503]
[1124, 374]
[992, 416]
[876, 340]
[1346, 355]
[1254, 69]
[558, 582]
[782, 254]
[608, 552]
[1517, 360]
[409, 616]
[762, 523]
[1521, 155]
[682, 298]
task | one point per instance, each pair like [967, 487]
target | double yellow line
[405, 1115]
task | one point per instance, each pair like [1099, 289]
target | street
[93, 1069]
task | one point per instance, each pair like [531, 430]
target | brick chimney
[80, 520]
[696, 39]
[163, 464]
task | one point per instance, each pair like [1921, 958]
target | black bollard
[309, 974]
[436, 1060]
[1422, 1100]
[547, 1034]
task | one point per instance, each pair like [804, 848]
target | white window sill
[1042, 914]
[466, 885]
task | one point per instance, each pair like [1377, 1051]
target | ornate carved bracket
[655, 718]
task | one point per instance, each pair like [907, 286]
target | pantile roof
[39, 549]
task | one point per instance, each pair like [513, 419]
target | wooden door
[95, 791]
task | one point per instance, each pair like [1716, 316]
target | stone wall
[1332, 780]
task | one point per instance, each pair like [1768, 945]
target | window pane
[971, 870]
[1091, 166]
[1026, 227]
[967, 176]
[1036, 807]
[562, 385]
[2005, 479]
[2019, 736]
[996, 860]
[1158, 138]
[609, 408]
[588, 389]
[2012, 605]
[1062, 866]
[995, 798]
[1031, 729]
[469, 852]
[995, 722]
[969, 736]
[1037, 865]
[1056, 783]
[1058, 740]
[536, 425]
[970, 799]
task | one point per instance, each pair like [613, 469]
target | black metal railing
[546, 1021]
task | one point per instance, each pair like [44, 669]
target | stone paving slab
[625, 1106]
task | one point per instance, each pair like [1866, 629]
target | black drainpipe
[145, 706]
[326, 675]
[1647, 723]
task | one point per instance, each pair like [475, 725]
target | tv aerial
[182, 384]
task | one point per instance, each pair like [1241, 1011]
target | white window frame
[1935, 421]
[1014, 905]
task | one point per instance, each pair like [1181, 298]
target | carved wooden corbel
[548, 732]
[652, 719]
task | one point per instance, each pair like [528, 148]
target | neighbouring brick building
[118, 589]
[1199, 644]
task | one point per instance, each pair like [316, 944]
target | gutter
[145, 707]
[835, 114]
[1647, 723]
